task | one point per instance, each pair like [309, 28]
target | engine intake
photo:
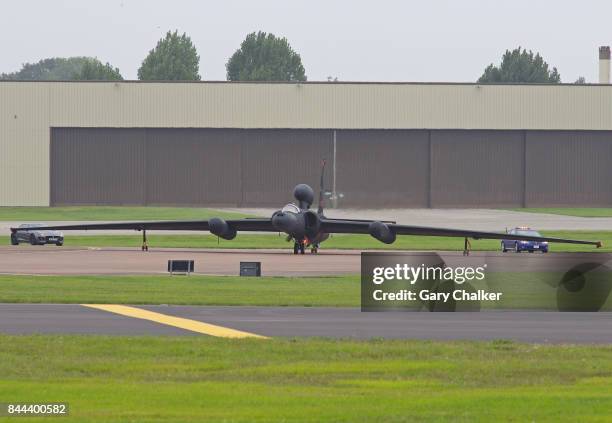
[381, 232]
[221, 228]
[288, 222]
[313, 223]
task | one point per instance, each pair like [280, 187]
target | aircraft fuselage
[303, 226]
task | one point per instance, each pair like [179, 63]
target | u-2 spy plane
[305, 227]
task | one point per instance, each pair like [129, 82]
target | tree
[580, 81]
[56, 68]
[94, 70]
[175, 58]
[264, 57]
[521, 66]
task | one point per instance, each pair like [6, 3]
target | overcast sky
[426, 40]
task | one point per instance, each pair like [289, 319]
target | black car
[27, 233]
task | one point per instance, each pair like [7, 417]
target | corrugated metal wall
[569, 168]
[383, 168]
[374, 168]
[169, 166]
[275, 161]
[105, 166]
[192, 166]
[477, 168]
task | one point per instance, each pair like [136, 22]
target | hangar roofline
[136, 81]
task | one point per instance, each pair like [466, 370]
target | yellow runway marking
[178, 322]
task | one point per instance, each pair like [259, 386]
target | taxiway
[540, 327]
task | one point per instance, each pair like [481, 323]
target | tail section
[321, 190]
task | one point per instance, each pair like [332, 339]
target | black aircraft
[305, 227]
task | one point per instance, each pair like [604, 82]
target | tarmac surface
[540, 327]
[52, 260]
[75, 319]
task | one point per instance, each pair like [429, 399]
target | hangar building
[248, 144]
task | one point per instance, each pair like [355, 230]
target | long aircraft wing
[344, 227]
[327, 226]
[259, 225]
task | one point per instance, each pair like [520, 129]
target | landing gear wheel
[59, 244]
[14, 240]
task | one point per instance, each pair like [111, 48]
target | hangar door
[383, 168]
[176, 166]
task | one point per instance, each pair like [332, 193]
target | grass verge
[538, 292]
[183, 379]
[86, 213]
[570, 211]
[195, 289]
[359, 242]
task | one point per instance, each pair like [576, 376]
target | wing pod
[381, 232]
[219, 227]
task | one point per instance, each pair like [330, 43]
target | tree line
[260, 57]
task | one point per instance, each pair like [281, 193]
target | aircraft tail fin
[321, 189]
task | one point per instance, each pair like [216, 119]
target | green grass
[194, 289]
[85, 213]
[184, 379]
[570, 211]
[539, 292]
[360, 242]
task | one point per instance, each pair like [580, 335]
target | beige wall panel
[349, 106]
[24, 145]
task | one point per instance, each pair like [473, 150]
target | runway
[52, 260]
[539, 327]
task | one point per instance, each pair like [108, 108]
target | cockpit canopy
[290, 208]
